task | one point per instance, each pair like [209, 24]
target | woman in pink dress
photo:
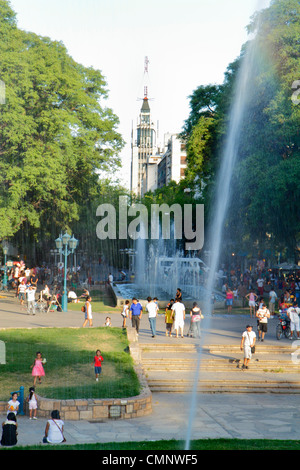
[37, 368]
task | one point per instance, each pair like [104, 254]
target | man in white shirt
[293, 314]
[152, 309]
[260, 285]
[30, 292]
[248, 341]
[262, 314]
[179, 313]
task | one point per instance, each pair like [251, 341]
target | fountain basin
[126, 291]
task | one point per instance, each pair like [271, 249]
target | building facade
[143, 147]
[154, 166]
[173, 163]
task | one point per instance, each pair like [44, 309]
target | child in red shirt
[98, 363]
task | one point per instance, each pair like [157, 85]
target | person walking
[135, 313]
[272, 300]
[169, 318]
[196, 317]
[293, 314]
[260, 285]
[179, 316]
[22, 292]
[263, 314]
[88, 317]
[229, 299]
[125, 313]
[152, 309]
[252, 298]
[37, 368]
[247, 345]
[30, 294]
[98, 359]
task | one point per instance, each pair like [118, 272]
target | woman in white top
[88, 312]
[125, 313]
[54, 432]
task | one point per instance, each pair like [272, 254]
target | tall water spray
[228, 160]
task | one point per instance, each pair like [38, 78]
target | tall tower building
[143, 143]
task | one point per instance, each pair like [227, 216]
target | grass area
[102, 301]
[69, 369]
[172, 445]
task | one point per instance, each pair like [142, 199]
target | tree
[54, 134]
[265, 179]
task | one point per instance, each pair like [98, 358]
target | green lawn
[69, 368]
[172, 445]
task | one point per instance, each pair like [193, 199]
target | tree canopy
[55, 134]
[264, 208]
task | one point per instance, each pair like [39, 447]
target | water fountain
[161, 268]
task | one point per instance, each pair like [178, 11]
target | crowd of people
[41, 284]
[267, 293]
[175, 314]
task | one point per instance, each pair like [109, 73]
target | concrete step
[262, 348]
[225, 387]
[217, 365]
[171, 367]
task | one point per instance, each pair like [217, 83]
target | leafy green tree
[266, 175]
[55, 134]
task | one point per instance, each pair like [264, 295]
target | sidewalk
[241, 416]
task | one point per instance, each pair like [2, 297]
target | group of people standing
[175, 314]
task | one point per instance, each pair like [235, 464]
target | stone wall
[97, 409]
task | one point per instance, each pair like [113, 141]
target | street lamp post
[65, 245]
[5, 251]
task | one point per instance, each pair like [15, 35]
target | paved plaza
[218, 415]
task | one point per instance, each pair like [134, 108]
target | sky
[188, 43]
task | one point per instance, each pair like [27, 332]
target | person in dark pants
[135, 313]
[9, 430]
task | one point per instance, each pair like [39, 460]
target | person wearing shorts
[248, 340]
[262, 314]
[252, 297]
[293, 314]
[98, 359]
[32, 403]
[88, 317]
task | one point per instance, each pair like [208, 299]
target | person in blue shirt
[135, 313]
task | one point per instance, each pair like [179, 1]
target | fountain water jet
[228, 160]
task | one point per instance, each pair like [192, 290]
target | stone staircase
[175, 367]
